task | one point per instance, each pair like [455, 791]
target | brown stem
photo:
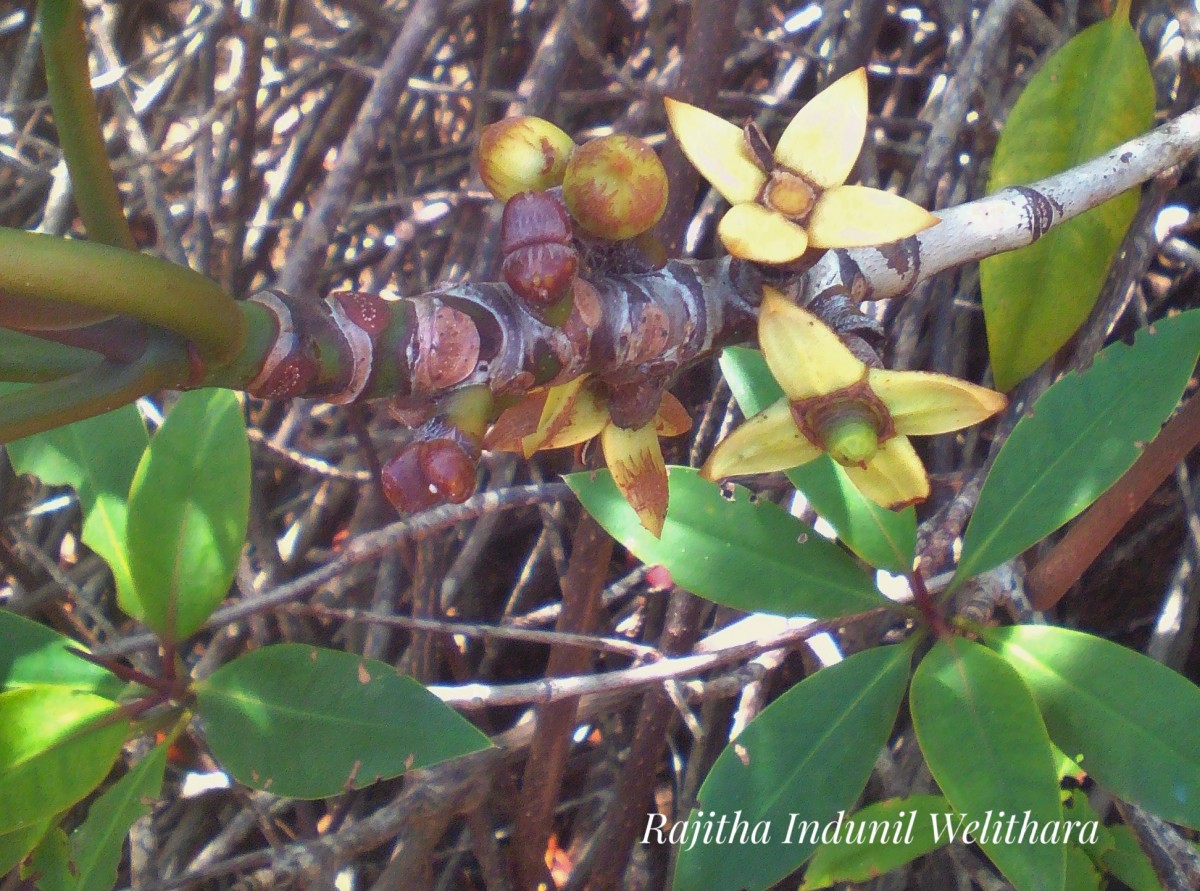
[635, 789]
[582, 587]
[710, 32]
[1062, 567]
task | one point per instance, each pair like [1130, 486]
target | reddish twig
[1061, 568]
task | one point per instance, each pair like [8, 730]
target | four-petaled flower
[834, 403]
[794, 199]
[573, 413]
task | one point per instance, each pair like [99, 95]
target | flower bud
[426, 474]
[539, 258]
[522, 154]
[615, 187]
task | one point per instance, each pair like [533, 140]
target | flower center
[849, 423]
[789, 194]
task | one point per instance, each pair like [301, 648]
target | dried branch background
[228, 124]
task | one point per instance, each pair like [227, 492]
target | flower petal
[824, 138]
[572, 414]
[636, 461]
[923, 404]
[672, 418]
[856, 216]
[767, 442]
[717, 149]
[804, 354]
[751, 232]
[895, 477]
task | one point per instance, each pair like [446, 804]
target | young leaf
[96, 845]
[15, 845]
[884, 538]
[32, 654]
[807, 756]
[1083, 433]
[1136, 722]
[97, 458]
[56, 746]
[1092, 94]
[908, 823]
[986, 746]
[305, 722]
[188, 507]
[739, 551]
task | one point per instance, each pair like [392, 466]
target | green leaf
[903, 830]
[986, 746]
[1135, 722]
[97, 458]
[1081, 873]
[51, 862]
[32, 654]
[1082, 435]
[15, 845]
[739, 551]
[305, 722]
[1129, 863]
[97, 844]
[1091, 95]
[884, 538]
[806, 757]
[56, 746]
[188, 507]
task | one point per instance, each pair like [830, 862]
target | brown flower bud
[539, 258]
[426, 474]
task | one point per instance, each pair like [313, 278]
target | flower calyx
[849, 423]
[575, 412]
[835, 404]
[793, 199]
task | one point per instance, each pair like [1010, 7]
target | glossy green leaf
[305, 722]
[15, 845]
[739, 551]
[794, 767]
[903, 831]
[97, 844]
[56, 745]
[97, 458]
[1135, 722]
[188, 507]
[32, 654]
[1129, 863]
[1082, 435]
[1091, 95]
[986, 746]
[884, 538]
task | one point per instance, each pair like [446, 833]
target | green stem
[102, 388]
[96, 276]
[27, 359]
[65, 52]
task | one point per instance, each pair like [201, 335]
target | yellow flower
[575, 412]
[862, 417]
[795, 198]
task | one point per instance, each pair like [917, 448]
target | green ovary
[851, 441]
